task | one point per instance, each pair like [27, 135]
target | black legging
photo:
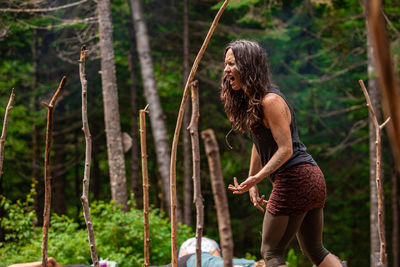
[278, 231]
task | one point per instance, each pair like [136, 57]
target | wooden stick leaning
[378, 128]
[197, 197]
[88, 159]
[47, 173]
[174, 261]
[4, 131]
[145, 175]
[219, 195]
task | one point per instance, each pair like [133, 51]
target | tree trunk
[158, 126]
[39, 187]
[375, 100]
[219, 193]
[395, 216]
[115, 152]
[134, 117]
[187, 181]
[59, 199]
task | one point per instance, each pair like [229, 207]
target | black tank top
[266, 145]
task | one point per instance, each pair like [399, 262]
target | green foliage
[119, 235]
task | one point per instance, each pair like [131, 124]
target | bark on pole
[88, 159]
[389, 83]
[174, 261]
[142, 115]
[4, 131]
[381, 224]
[197, 197]
[219, 194]
[47, 172]
[115, 152]
[157, 122]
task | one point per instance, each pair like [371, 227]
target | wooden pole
[219, 194]
[388, 80]
[4, 131]
[197, 197]
[174, 256]
[47, 173]
[378, 128]
[145, 175]
[88, 159]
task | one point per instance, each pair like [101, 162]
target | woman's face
[231, 71]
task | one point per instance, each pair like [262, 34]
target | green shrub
[119, 236]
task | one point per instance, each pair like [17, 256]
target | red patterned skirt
[297, 189]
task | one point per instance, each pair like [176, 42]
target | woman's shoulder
[273, 100]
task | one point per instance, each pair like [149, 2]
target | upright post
[145, 175]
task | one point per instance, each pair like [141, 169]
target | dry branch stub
[47, 173]
[88, 159]
[4, 131]
[174, 252]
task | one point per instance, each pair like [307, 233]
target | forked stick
[378, 128]
[47, 173]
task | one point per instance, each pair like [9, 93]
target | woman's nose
[226, 69]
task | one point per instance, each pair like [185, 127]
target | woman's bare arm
[277, 118]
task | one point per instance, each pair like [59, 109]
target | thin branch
[88, 159]
[47, 171]
[71, 22]
[381, 224]
[35, 10]
[4, 131]
[174, 261]
[145, 175]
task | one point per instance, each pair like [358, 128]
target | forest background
[317, 51]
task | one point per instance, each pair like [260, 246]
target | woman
[295, 207]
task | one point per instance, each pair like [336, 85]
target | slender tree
[134, 115]
[115, 152]
[187, 181]
[157, 122]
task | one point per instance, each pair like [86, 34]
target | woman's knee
[315, 253]
[273, 257]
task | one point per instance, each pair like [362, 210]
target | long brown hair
[244, 107]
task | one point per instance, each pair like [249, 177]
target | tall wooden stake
[142, 116]
[174, 255]
[378, 128]
[197, 197]
[88, 159]
[47, 173]
[4, 131]
[388, 80]
[219, 194]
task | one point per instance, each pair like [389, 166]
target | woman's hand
[243, 187]
[258, 201]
